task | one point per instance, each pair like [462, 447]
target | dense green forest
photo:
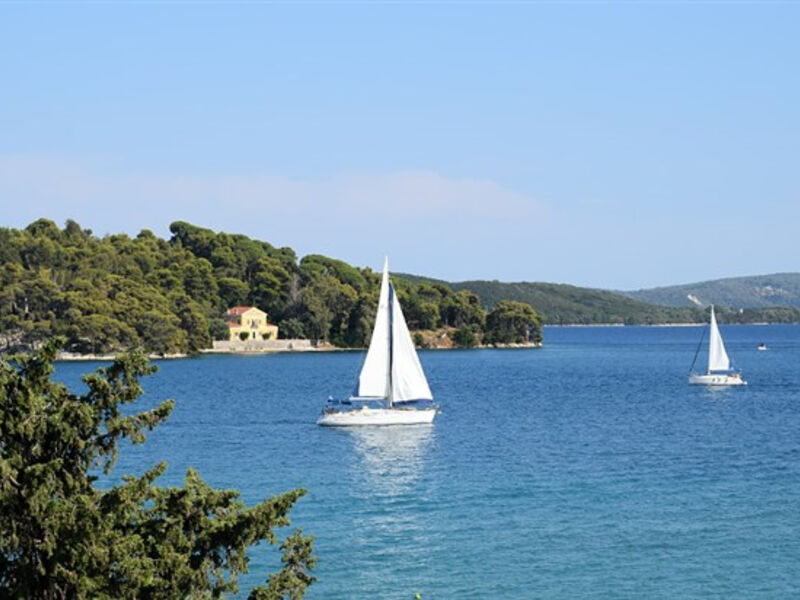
[759, 291]
[116, 292]
[560, 304]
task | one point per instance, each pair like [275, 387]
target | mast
[391, 335]
[711, 338]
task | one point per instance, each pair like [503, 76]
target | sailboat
[719, 370]
[391, 388]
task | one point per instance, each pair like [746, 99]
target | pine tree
[63, 537]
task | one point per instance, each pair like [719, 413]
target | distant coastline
[624, 325]
[169, 297]
[547, 325]
[77, 357]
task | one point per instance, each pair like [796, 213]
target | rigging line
[696, 352]
[391, 346]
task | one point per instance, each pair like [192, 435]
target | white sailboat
[392, 388]
[719, 370]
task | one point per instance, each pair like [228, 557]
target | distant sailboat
[392, 388]
[719, 370]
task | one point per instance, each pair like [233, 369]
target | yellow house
[249, 323]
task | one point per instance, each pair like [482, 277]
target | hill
[104, 294]
[568, 304]
[561, 304]
[110, 293]
[758, 291]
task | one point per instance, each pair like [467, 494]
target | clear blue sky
[613, 145]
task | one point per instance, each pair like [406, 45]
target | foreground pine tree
[61, 537]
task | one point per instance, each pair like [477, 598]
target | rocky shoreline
[75, 357]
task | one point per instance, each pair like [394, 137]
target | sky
[615, 145]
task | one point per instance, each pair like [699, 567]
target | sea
[588, 468]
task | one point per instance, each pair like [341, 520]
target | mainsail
[717, 357]
[391, 369]
[374, 379]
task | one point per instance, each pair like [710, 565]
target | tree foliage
[560, 304]
[117, 292]
[63, 537]
[512, 322]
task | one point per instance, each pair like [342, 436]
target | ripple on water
[586, 469]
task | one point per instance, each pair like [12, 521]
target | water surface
[588, 468]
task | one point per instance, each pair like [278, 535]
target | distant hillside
[569, 304]
[760, 291]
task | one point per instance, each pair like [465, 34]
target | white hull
[377, 416]
[695, 379]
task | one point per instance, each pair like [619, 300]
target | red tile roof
[238, 310]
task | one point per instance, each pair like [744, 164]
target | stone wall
[261, 346]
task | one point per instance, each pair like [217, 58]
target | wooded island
[169, 296]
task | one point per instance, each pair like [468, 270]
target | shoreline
[75, 357]
[661, 324]
[638, 325]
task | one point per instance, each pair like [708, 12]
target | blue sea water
[588, 468]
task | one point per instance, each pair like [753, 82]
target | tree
[200, 283]
[100, 333]
[44, 228]
[419, 313]
[167, 294]
[328, 303]
[160, 332]
[232, 292]
[270, 285]
[291, 329]
[513, 322]
[62, 537]
[465, 336]
[462, 308]
[219, 330]
[192, 321]
[322, 265]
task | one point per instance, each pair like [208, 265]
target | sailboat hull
[366, 416]
[716, 380]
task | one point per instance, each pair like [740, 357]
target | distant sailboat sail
[717, 356]
[719, 371]
[391, 368]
